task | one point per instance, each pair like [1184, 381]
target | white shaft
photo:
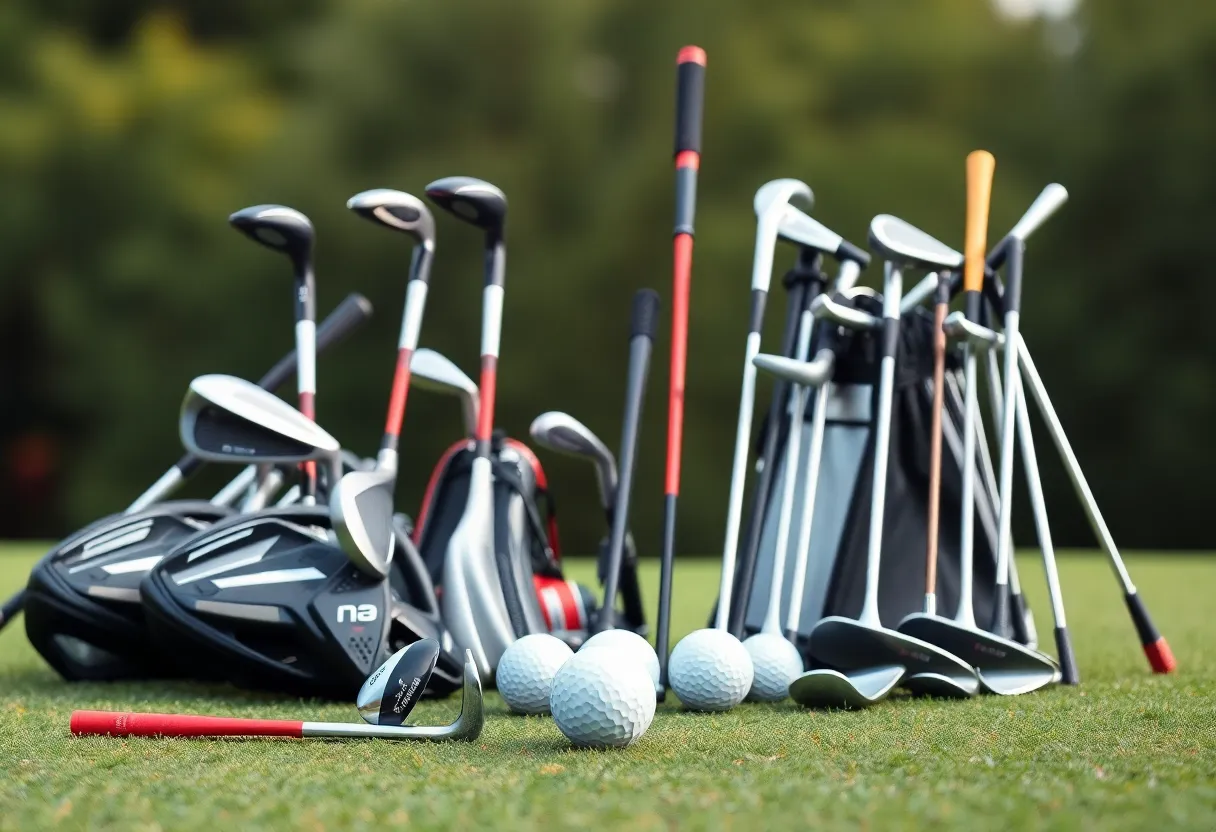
[1008, 434]
[965, 615]
[809, 487]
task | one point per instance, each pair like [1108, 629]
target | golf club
[642, 324]
[1003, 665]
[690, 102]
[474, 604]
[467, 727]
[361, 502]
[289, 232]
[431, 370]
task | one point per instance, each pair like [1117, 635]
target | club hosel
[686, 194]
[755, 317]
[1012, 297]
[972, 305]
[387, 458]
[847, 276]
[496, 258]
[306, 293]
[847, 252]
[941, 296]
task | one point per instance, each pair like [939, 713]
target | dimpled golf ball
[602, 699]
[525, 672]
[710, 670]
[776, 663]
[630, 642]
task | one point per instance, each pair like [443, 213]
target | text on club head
[362, 612]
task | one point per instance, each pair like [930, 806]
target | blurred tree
[130, 131]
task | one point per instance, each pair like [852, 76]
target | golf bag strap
[432, 487]
[542, 487]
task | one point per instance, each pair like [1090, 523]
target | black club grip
[690, 98]
[644, 319]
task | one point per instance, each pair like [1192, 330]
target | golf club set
[319, 587]
[874, 476]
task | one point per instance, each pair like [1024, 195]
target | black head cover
[82, 609]
[267, 601]
[472, 200]
[277, 227]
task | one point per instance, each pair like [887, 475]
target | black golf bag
[525, 534]
[836, 561]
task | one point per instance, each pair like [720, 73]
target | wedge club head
[361, 509]
[389, 694]
[563, 433]
[858, 689]
[431, 370]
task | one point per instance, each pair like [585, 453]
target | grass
[1127, 750]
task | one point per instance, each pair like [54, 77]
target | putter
[864, 643]
[467, 727]
[1003, 665]
[642, 323]
[432, 371]
[361, 502]
[473, 602]
[288, 231]
[690, 102]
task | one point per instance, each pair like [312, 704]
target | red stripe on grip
[681, 288]
[401, 389]
[488, 386]
[128, 724]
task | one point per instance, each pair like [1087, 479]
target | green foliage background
[129, 130]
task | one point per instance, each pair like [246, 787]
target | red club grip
[690, 98]
[130, 724]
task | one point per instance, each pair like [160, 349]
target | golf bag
[836, 561]
[526, 541]
[267, 601]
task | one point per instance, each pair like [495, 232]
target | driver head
[389, 694]
[396, 210]
[473, 200]
[277, 227]
[781, 192]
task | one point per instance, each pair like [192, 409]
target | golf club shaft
[1000, 602]
[643, 322]
[690, 101]
[802, 283]
[941, 307]
[135, 724]
[346, 318]
[407, 342]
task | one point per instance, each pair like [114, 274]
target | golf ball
[630, 642]
[710, 670]
[525, 672]
[777, 663]
[602, 699]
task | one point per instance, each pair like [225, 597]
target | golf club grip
[644, 318]
[132, 724]
[348, 316]
[980, 168]
[11, 607]
[690, 98]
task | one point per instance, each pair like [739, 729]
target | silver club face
[781, 192]
[226, 418]
[797, 227]
[396, 210]
[361, 510]
[906, 245]
[563, 433]
[431, 370]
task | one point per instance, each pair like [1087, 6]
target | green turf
[1127, 750]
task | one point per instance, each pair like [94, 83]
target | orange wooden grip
[980, 167]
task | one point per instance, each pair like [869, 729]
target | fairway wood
[389, 694]
[832, 689]
[433, 371]
[906, 245]
[361, 509]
